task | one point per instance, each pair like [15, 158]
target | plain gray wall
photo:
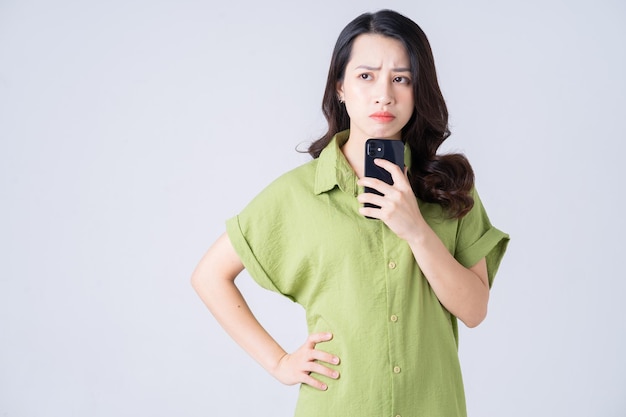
[130, 130]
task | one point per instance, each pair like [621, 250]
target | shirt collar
[333, 169]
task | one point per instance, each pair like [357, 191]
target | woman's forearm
[462, 291]
[214, 281]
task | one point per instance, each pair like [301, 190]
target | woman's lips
[382, 116]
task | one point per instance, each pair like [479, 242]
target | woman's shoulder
[295, 183]
[292, 187]
[300, 176]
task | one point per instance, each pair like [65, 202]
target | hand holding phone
[389, 149]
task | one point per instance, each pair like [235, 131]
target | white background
[130, 130]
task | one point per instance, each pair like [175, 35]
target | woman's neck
[354, 151]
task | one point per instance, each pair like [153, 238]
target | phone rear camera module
[375, 149]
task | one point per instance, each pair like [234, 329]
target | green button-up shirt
[303, 237]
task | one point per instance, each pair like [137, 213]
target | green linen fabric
[304, 238]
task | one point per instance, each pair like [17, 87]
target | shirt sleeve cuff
[492, 246]
[246, 255]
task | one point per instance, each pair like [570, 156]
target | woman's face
[377, 88]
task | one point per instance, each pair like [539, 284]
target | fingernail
[335, 360]
[324, 387]
[335, 374]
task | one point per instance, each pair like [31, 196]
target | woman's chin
[386, 134]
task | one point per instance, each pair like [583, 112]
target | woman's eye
[366, 77]
[402, 80]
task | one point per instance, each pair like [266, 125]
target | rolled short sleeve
[236, 233]
[477, 239]
[259, 237]
[267, 231]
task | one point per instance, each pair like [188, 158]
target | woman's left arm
[463, 291]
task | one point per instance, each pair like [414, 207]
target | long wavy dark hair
[443, 179]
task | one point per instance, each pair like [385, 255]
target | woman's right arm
[214, 281]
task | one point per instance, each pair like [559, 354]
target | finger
[309, 380]
[374, 213]
[323, 370]
[369, 198]
[320, 355]
[375, 183]
[316, 338]
[398, 175]
[387, 165]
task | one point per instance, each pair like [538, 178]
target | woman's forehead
[372, 51]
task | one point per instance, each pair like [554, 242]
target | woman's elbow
[196, 281]
[476, 317]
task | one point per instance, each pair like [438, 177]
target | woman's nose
[384, 94]
[385, 100]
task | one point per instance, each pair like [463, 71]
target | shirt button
[394, 318]
[396, 369]
[392, 265]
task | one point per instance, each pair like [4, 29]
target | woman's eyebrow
[368, 68]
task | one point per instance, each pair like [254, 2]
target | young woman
[382, 287]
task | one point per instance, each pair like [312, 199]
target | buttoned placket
[393, 278]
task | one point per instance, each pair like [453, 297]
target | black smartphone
[389, 149]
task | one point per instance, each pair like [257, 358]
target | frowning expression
[377, 87]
